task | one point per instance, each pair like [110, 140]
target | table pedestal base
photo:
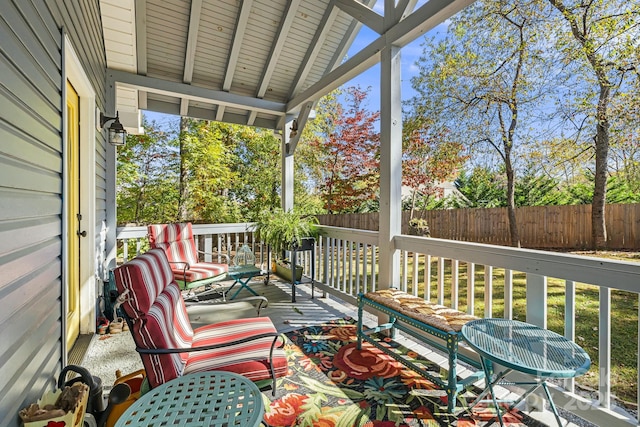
[499, 380]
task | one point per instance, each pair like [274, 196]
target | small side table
[242, 274]
[525, 348]
[214, 398]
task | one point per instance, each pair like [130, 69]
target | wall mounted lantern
[117, 133]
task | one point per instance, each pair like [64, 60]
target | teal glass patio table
[526, 348]
[213, 398]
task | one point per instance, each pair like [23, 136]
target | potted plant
[282, 230]
[419, 227]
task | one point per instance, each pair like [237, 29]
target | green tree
[483, 188]
[147, 172]
[207, 149]
[600, 38]
[481, 79]
[428, 158]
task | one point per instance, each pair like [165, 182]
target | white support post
[390, 166]
[286, 195]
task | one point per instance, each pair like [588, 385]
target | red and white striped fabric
[247, 358]
[160, 321]
[177, 241]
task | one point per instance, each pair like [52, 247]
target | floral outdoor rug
[332, 383]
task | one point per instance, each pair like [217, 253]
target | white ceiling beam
[342, 49]
[419, 22]
[219, 113]
[142, 100]
[207, 114]
[363, 14]
[184, 107]
[141, 36]
[276, 48]
[404, 8]
[252, 118]
[193, 93]
[192, 40]
[314, 48]
[236, 43]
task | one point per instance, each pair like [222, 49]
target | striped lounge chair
[166, 342]
[177, 242]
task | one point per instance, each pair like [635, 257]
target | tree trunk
[182, 184]
[598, 225]
[599, 65]
[511, 202]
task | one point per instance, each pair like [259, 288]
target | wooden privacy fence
[557, 227]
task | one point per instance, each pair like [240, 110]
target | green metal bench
[420, 319]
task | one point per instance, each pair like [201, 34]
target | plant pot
[283, 270]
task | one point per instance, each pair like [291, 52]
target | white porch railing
[346, 264]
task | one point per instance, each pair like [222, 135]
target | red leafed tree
[427, 159]
[349, 147]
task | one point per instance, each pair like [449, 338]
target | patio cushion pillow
[248, 358]
[166, 325]
[143, 278]
[176, 240]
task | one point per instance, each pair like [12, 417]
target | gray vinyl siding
[31, 182]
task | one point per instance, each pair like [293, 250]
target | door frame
[74, 72]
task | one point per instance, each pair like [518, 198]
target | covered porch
[460, 275]
[253, 62]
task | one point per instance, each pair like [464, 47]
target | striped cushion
[145, 277]
[249, 358]
[177, 241]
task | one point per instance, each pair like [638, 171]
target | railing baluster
[414, 281]
[374, 263]
[488, 291]
[440, 299]
[604, 348]
[358, 265]
[471, 287]
[454, 283]
[569, 322]
[508, 294]
[427, 277]
[405, 267]
[365, 272]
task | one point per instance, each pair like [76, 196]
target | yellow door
[73, 216]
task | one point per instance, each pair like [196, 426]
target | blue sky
[408, 56]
